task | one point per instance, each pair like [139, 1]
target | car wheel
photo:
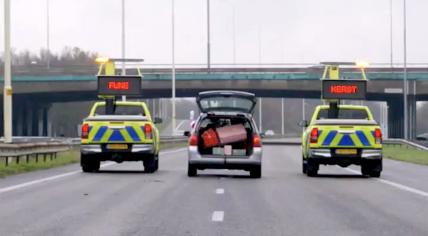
[150, 165]
[311, 168]
[372, 168]
[304, 166]
[157, 163]
[192, 170]
[88, 164]
[256, 172]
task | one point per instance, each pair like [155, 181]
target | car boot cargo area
[228, 136]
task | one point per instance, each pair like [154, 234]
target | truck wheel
[371, 168]
[256, 172]
[150, 165]
[89, 164]
[191, 170]
[304, 166]
[311, 168]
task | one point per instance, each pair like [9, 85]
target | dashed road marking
[219, 191]
[396, 185]
[50, 178]
[217, 216]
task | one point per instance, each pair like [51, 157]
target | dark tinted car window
[122, 110]
[345, 114]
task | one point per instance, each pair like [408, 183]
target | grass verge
[63, 158]
[405, 153]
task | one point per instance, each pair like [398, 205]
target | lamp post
[7, 92]
[208, 38]
[173, 65]
[48, 57]
[405, 71]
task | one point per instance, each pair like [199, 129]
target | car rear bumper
[224, 162]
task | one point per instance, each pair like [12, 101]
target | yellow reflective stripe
[356, 140]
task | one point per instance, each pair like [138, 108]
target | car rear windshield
[358, 114]
[130, 110]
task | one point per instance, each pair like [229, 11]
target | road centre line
[218, 216]
[395, 185]
[219, 191]
[38, 181]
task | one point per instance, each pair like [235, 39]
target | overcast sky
[289, 31]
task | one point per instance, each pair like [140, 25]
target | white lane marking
[38, 181]
[219, 191]
[217, 216]
[179, 124]
[395, 185]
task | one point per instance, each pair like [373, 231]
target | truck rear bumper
[327, 157]
[98, 149]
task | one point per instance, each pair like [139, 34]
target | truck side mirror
[303, 123]
[157, 120]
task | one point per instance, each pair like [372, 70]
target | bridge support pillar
[395, 117]
[412, 116]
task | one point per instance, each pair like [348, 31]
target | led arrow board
[344, 89]
[119, 85]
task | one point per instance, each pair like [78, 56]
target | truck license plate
[117, 146]
[346, 151]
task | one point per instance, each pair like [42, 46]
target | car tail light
[148, 131]
[378, 136]
[193, 140]
[314, 135]
[257, 141]
[85, 131]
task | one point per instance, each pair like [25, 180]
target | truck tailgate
[347, 136]
[118, 130]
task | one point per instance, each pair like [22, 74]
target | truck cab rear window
[122, 110]
[345, 114]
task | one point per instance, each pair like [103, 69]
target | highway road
[121, 200]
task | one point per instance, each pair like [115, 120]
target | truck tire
[192, 171]
[256, 172]
[150, 165]
[371, 168]
[304, 166]
[311, 168]
[89, 164]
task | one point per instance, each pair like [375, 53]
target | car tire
[150, 165]
[304, 166]
[311, 168]
[89, 164]
[372, 168]
[192, 171]
[157, 163]
[256, 172]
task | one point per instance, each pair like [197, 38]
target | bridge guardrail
[405, 142]
[16, 151]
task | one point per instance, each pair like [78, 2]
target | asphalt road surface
[121, 200]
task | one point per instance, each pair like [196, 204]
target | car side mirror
[303, 123]
[186, 133]
[157, 120]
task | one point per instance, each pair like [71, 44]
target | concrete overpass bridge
[35, 92]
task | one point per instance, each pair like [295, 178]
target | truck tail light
[378, 136]
[257, 141]
[193, 140]
[314, 135]
[85, 131]
[148, 131]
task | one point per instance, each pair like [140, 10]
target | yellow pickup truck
[348, 136]
[127, 133]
